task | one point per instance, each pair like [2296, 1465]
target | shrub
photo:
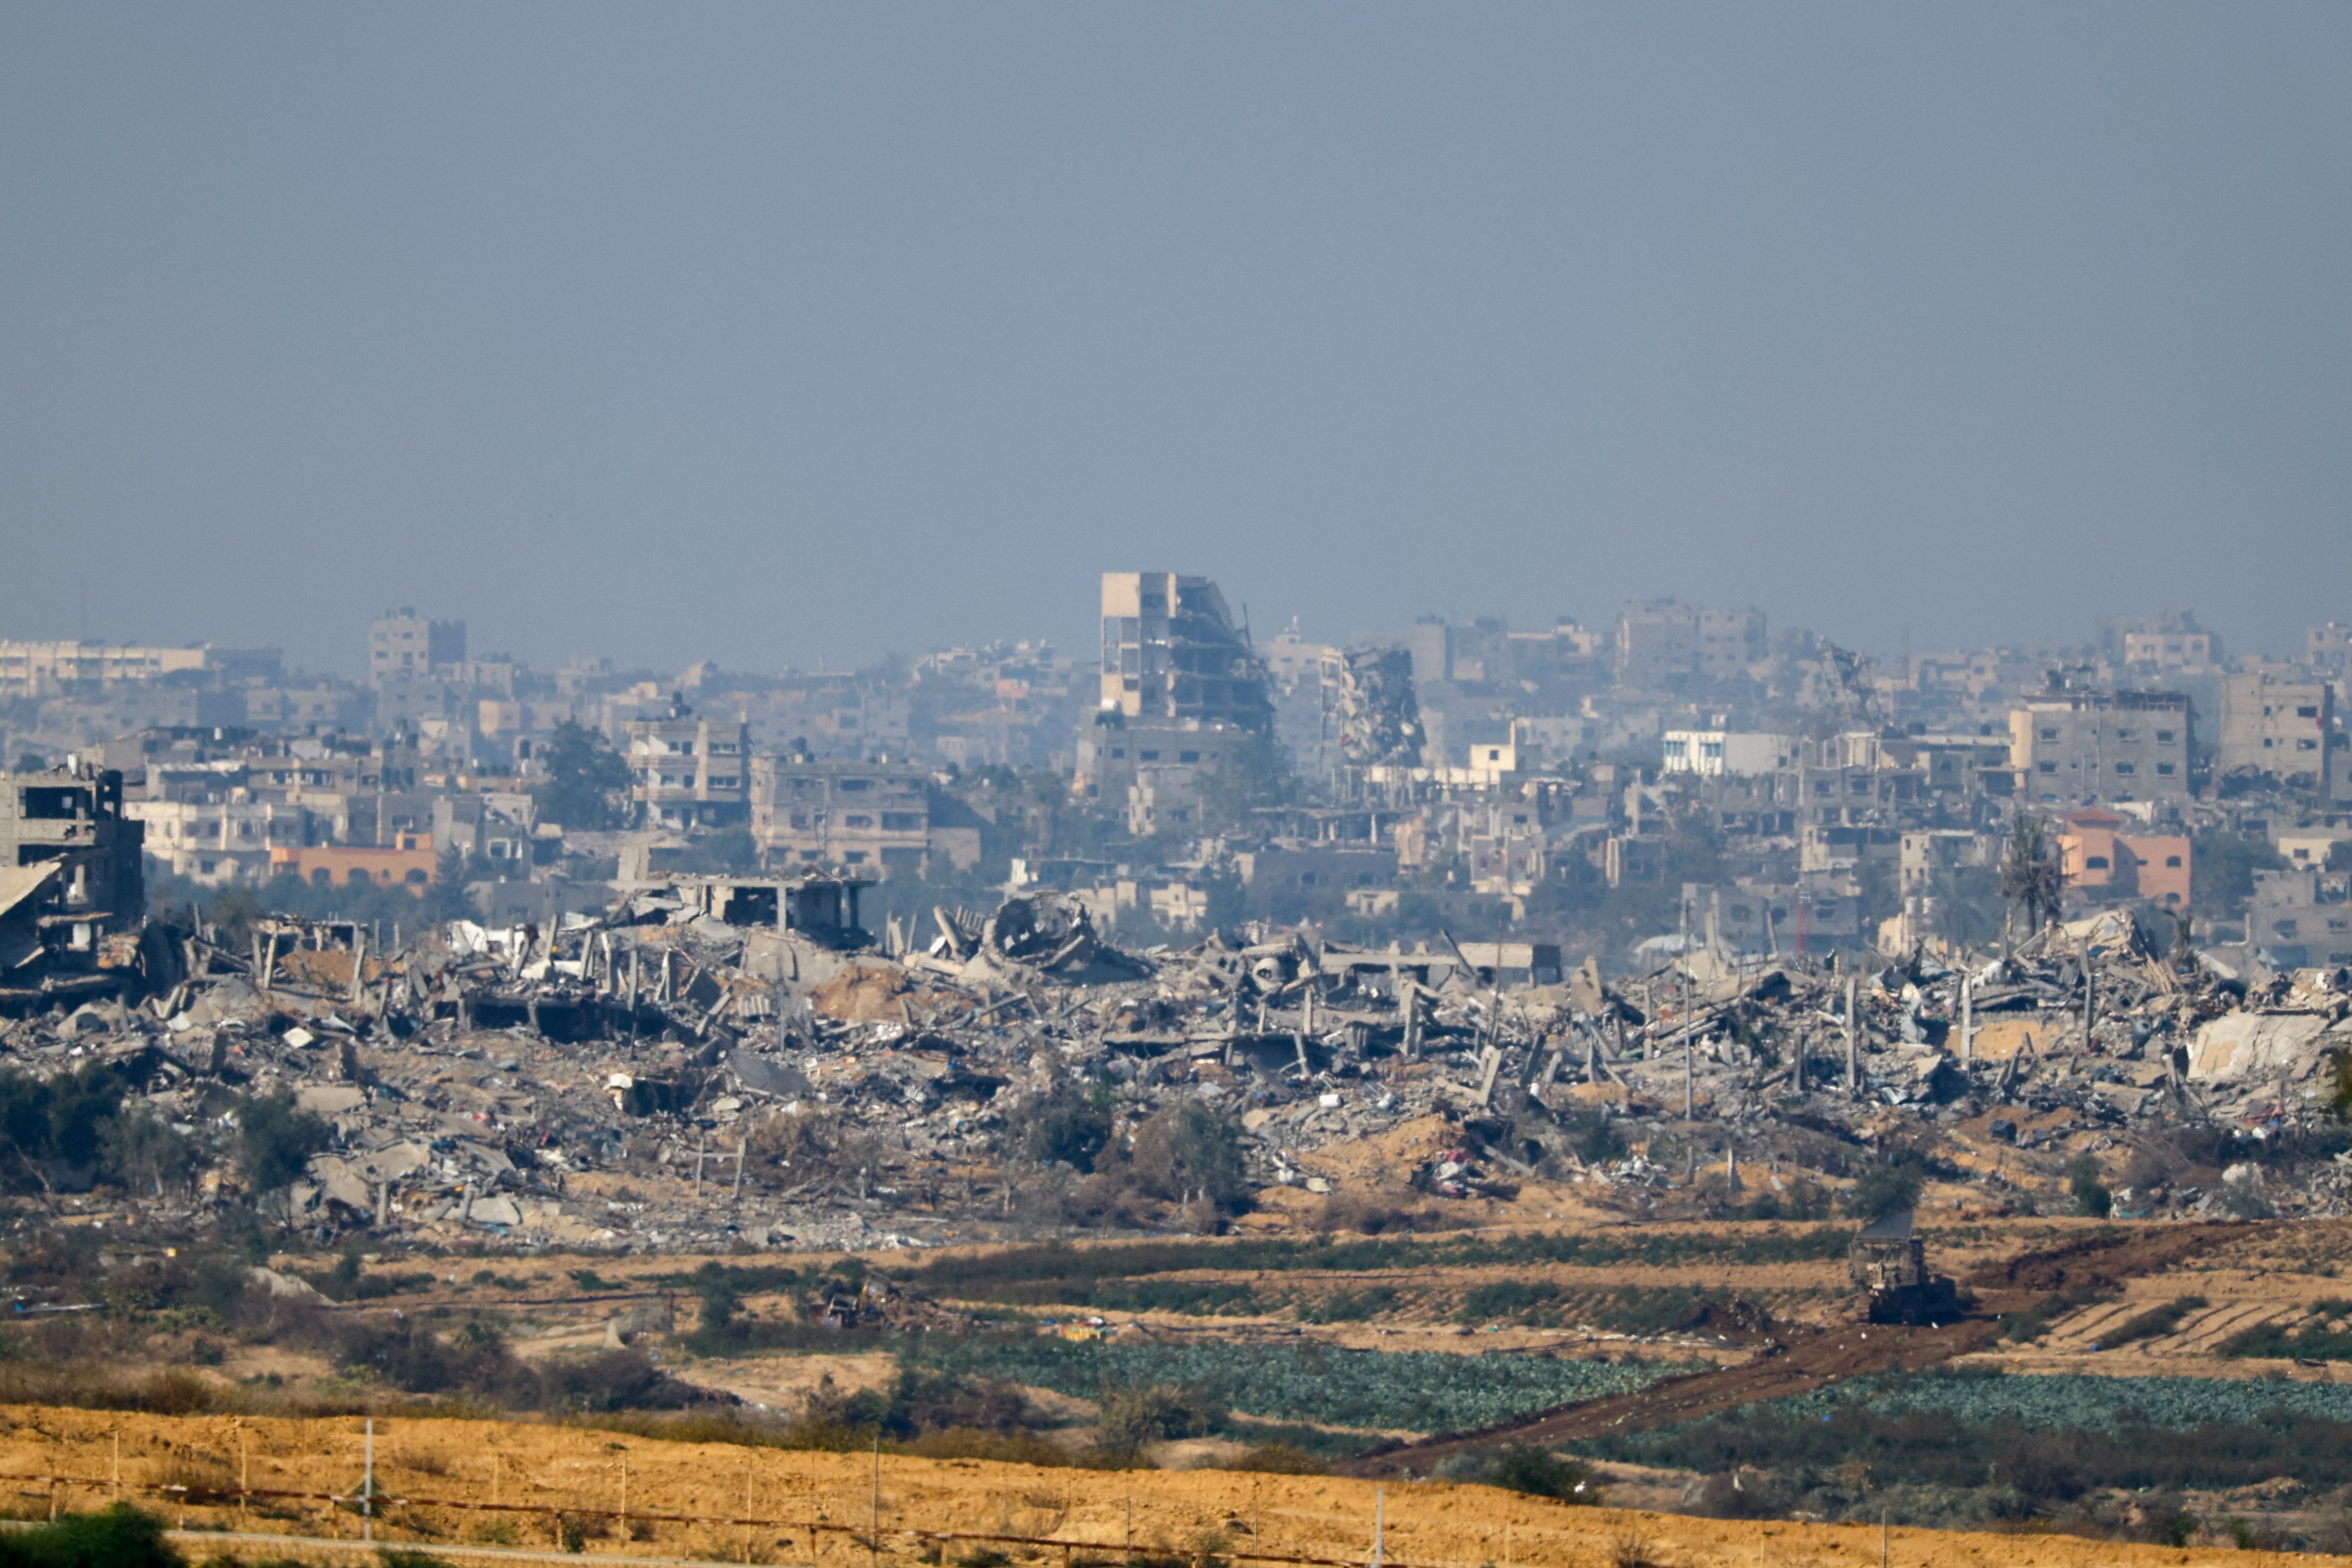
[1280, 1460]
[810, 1144]
[1154, 1412]
[275, 1142]
[1188, 1151]
[1806, 1199]
[609, 1380]
[119, 1537]
[1351, 1306]
[1069, 1127]
[1593, 1136]
[76, 1120]
[2092, 1199]
[1368, 1214]
[1540, 1472]
[1886, 1186]
[145, 1153]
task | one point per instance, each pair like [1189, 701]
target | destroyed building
[1171, 650]
[2087, 746]
[875, 814]
[688, 772]
[2279, 731]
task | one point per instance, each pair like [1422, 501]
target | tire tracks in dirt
[1797, 1360]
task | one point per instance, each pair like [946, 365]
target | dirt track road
[1815, 1358]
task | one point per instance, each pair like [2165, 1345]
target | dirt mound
[1734, 1319]
[2101, 1261]
[861, 995]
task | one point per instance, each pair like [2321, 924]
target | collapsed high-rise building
[1180, 688]
[1374, 704]
[1171, 650]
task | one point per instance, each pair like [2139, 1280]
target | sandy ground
[1184, 1512]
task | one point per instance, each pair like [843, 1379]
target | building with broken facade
[2278, 729]
[874, 816]
[1172, 651]
[2302, 918]
[2079, 747]
[1712, 752]
[688, 772]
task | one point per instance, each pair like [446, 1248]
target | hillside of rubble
[680, 1073]
[1025, 1196]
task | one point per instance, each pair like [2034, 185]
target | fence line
[206, 1496]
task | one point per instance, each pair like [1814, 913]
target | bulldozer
[1888, 1264]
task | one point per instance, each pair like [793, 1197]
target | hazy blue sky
[768, 334]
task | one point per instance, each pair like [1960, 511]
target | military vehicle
[1889, 1265]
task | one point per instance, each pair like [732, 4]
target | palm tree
[2029, 875]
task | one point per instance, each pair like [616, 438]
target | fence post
[874, 1539]
[367, 1486]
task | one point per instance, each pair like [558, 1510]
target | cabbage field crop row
[2102, 1404]
[1416, 1391]
[1053, 1270]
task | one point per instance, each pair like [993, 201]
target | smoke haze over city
[775, 337]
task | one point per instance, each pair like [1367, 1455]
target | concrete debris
[698, 1066]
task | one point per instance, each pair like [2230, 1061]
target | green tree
[1188, 1152]
[146, 1154]
[583, 775]
[1154, 1412]
[1541, 1472]
[62, 1119]
[446, 898]
[119, 1536]
[275, 1140]
[1886, 1186]
[2092, 1199]
[1071, 1126]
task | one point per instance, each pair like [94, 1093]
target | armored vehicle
[1888, 1264]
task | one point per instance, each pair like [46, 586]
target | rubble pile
[715, 1062]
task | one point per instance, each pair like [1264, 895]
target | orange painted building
[410, 863]
[2105, 862]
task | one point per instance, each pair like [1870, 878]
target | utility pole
[1690, 1051]
[1968, 1022]
[1852, 1052]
